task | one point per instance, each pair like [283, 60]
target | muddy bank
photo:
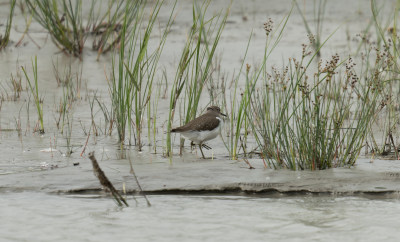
[210, 176]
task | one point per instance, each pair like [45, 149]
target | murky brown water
[39, 216]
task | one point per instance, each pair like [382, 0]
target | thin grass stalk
[233, 103]
[194, 68]
[63, 112]
[389, 99]
[239, 117]
[119, 91]
[155, 111]
[69, 135]
[141, 68]
[35, 93]
[200, 74]
[181, 77]
[4, 40]
[28, 21]
[134, 75]
[319, 16]
[131, 88]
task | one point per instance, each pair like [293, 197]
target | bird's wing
[203, 122]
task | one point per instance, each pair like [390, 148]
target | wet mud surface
[211, 177]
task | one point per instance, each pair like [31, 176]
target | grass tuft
[313, 124]
[131, 84]
[64, 22]
[195, 65]
[34, 88]
[4, 39]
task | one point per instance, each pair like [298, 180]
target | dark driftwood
[105, 182]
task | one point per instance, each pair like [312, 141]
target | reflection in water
[43, 217]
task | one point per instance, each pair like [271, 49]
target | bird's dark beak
[223, 114]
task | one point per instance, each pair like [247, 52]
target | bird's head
[215, 109]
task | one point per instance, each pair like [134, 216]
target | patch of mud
[193, 176]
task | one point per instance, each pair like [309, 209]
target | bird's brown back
[207, 121]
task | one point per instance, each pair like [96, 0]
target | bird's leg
[201, 151]
[192, 145]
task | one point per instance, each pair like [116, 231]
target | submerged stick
[105, 182]
[87, 140]
[248, 163]
[137, 182]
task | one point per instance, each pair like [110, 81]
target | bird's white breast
[199, 137]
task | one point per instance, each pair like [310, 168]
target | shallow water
[45, 217]
[34, 215]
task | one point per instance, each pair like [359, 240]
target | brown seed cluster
[248, 68]
[304, 89]
[365, 38]
[268, 26]
[305, 51]
[297, 64]
[330, 66]
[351, 76]
[278, 75]
[307, 48]
[384, 58]
[277, 78]
[311, 38]
[385, 101]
